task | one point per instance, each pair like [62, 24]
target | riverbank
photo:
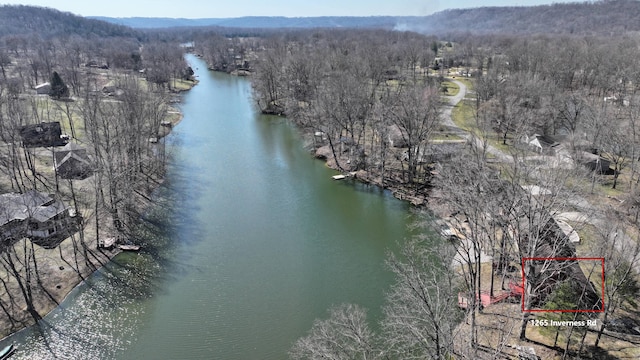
[58, 271]
[417, 194]
[403, 191]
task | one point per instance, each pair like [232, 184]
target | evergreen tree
[58, 88]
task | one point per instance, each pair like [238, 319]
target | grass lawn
[50, 110]
[182, 85]
[445, 137]
[449, 88]
[463, 115]
[467, 82]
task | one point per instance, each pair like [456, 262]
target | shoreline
[63, 272]
[99, 257]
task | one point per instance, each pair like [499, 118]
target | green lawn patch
[445, 137]
[181, 84]
[449, 88]
[463, 115]
[468, 83]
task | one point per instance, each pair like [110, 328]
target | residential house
[35, 215]
[44, 134]
[583, 154]
[551, 240]
[13, 216]
[43, 89]
[542, 144]
[72, 162]
[593, 162]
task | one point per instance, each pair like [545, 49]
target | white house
[541, 143]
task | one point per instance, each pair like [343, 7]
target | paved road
[589, 213]
[453, 101]
[448, 121]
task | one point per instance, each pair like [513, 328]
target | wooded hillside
[587, 18]
[49, 23]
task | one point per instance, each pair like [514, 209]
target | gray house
[43, 89]
[593, 162]
[72, 162]
[35, 215]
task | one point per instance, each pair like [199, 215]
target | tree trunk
[333, 152]
[601, 329]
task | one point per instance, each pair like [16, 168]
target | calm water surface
[250, 242]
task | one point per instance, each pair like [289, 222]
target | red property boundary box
[559, 310]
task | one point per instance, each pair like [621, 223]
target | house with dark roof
[593, 162]
[548, 273]
[37, 216]
[44, 134]
[538, 234]
[13, 216]
[543, 144]
[43, 89]
[72, 162]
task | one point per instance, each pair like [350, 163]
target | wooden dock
[344, 176]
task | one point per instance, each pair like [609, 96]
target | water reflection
[250, 241]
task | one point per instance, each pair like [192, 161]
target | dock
[343, 176]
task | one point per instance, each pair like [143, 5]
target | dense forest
[49, 23]
[609, 17]
[264, 22]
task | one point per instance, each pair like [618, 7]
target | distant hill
[266, 22]
[45, 22]
[606, 17]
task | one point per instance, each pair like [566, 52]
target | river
[251, 241]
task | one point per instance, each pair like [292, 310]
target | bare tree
[345, 335]
[622, 260]
[616, 144]
[419, 321]
[268, 81]
[414, 110]
[464, 183]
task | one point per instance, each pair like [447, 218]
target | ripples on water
[249, 241]
[100, 318]
[99, 325]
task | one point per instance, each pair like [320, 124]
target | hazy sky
[236, 8]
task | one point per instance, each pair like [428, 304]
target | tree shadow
[601, 354]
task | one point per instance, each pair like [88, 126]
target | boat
[127, 248]
[7, 352]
